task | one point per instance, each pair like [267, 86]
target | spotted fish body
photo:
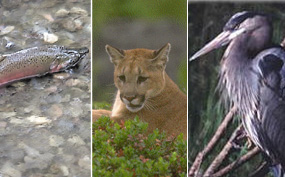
[38, 61]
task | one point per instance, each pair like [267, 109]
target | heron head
[245, 22]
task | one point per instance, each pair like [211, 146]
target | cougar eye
[122, 78]
[142, 79]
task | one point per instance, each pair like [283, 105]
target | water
[45, 121]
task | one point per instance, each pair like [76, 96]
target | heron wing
[272, 103]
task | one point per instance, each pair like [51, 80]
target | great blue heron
[253, 76]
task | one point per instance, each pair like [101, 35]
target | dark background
[205, 21]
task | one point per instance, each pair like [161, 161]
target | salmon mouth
[76, 55]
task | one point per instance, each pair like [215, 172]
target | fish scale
[38, 61]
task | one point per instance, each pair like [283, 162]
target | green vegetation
[125, 150]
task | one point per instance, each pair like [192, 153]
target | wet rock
[38, 120]
[61, 76]
[18, 84]
[65, 125]
[5, 115]
[47, 4]
[51, 89]
[61, 13]
[53, 98]
[73, 82]
[79, 11]
[59, 169]
[76, 112]
[50, 38]
[16, 155]
[72, 24]
[76, 140]
[55, 111]
[10, 4]
[29, 150]
[10, 170]
[21, 122]
[31, 108]
[55, 169]
[55, 140]
[84, 162]
[41, 162]
[48, 17]
[66, 98]
[6, 30]
[64, 170]
[3, 124]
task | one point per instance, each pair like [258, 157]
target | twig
[222, 155]
[199, 158]
[261, 171]
[237, 163]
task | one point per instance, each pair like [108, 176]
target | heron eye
[122, 78]
[141, 79]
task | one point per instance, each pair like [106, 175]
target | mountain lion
[144, 89]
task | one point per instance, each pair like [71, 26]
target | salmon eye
[141, 79]
[122, 78]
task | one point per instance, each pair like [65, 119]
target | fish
[38, 61]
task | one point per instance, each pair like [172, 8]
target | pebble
[19, 84]
[3, 124]
[50, 38]
[85, 162]
[61, 76]
[61, 13]
[79, 11]
[5, 115]
[29, 150]
[55, 111]
[66, 98]
[51, 89]
[76, 140]
[55, 140]
[64, 170]
[30, 108]
[69, 25]
[72, 82]
[40, 162]
[10, 170]
[18, 121]
[37, 120]
[10, 4]
[6, 30]
[76, 112]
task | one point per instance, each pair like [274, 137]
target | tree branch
[221, 129]
[237, 163]
[222, 155]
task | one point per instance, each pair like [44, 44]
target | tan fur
[165, 106]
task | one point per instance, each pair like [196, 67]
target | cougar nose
[130, 98]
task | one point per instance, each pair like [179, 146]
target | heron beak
[221, 40]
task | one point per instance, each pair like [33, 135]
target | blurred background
[137, 24]
[206, 20]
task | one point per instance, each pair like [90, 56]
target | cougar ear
[115, 54]
[161, 56]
